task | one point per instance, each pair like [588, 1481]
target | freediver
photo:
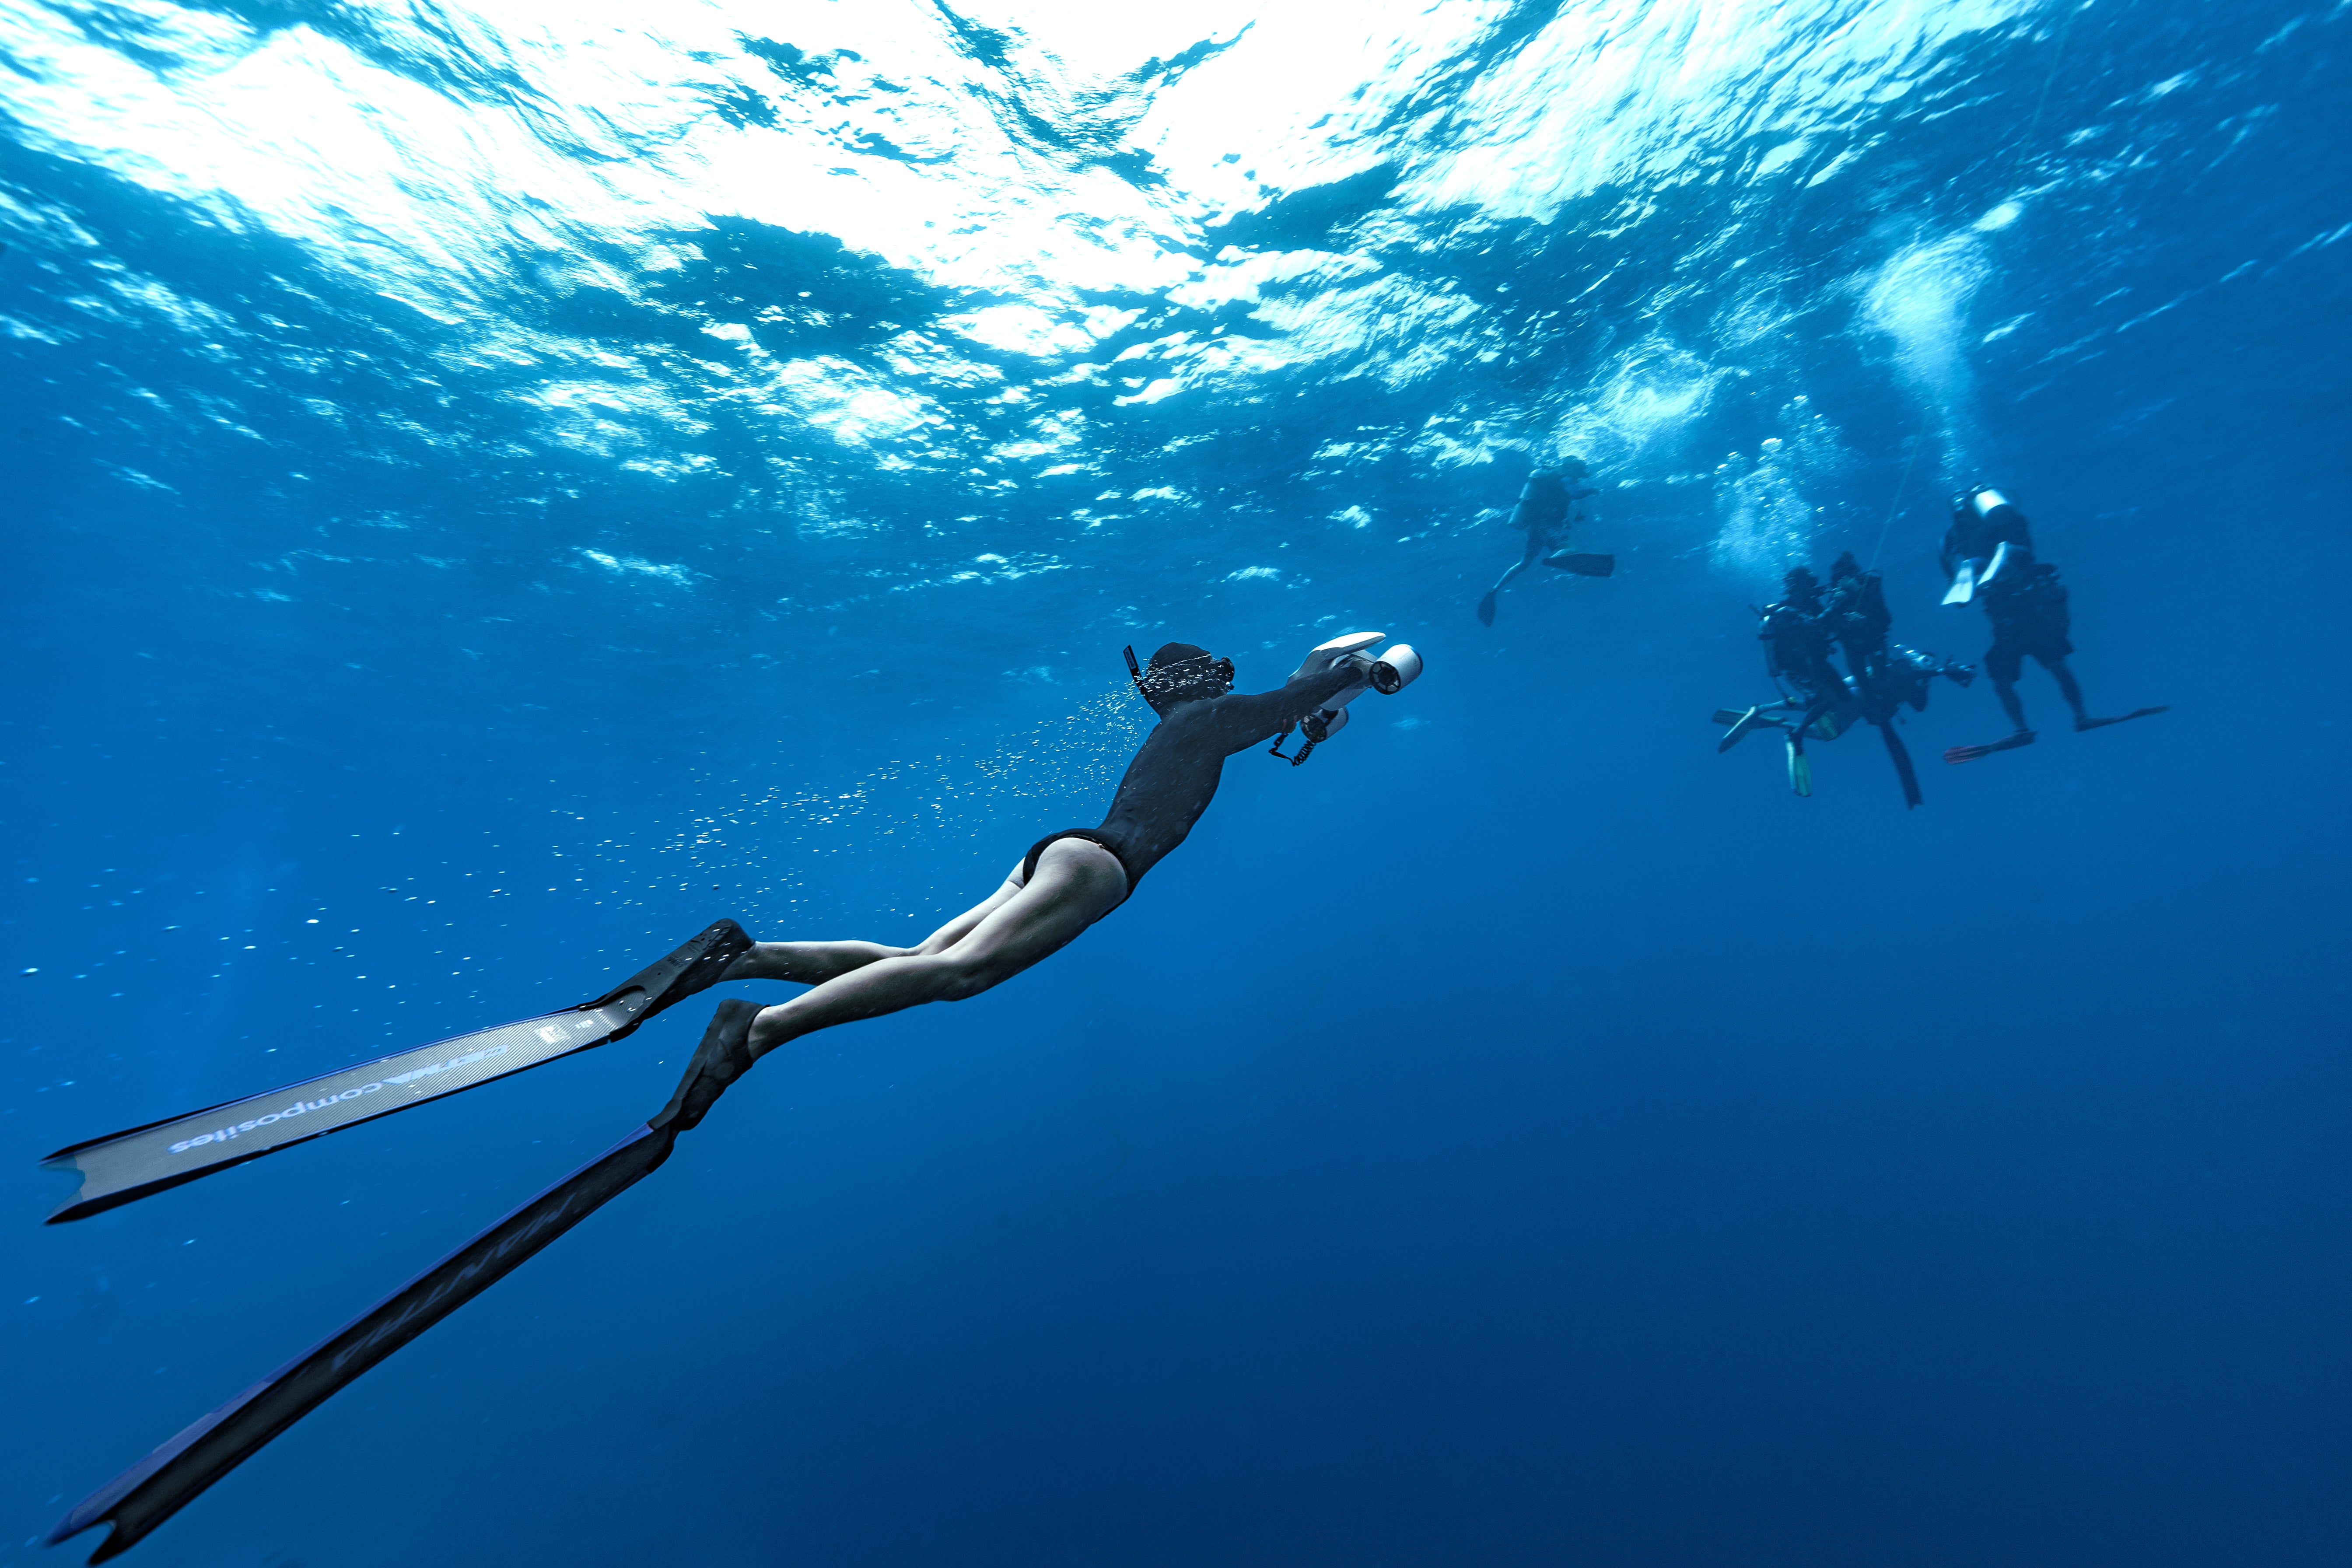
[1797, 639]
[1068, 880]
[2026, 603]
[1546, 509]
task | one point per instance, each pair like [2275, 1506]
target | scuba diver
[1886, 675]
[1797, 643]
[1544, 510]
[2026, 603]
[1067, 881]
[1881, 677]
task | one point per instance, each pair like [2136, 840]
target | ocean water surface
[494, 487]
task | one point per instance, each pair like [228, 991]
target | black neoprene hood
[1185, 672]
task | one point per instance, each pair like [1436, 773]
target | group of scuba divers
[1987, 554]
[1069, 879]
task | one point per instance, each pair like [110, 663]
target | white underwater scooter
[1389, 674]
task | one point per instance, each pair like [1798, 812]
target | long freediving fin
[123, 1166]
[166, 1480]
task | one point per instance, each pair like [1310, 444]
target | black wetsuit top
[1175, 776]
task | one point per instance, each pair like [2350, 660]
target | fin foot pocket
[724, 1056]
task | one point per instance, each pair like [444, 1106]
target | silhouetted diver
[1796, 650]
[1881, 677]
[1546, 510]
[2027, 606]
[1886, 677]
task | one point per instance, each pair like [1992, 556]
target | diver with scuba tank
[1546, 510]
[1887, 676]
[1989, 553]
[1797, 644]
[1881, 677]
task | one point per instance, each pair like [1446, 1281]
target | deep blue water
[490, 492]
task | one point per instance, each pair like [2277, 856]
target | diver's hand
[1337, 652]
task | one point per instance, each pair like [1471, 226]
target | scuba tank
[1988, 535]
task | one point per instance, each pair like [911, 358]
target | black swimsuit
[1175, 774]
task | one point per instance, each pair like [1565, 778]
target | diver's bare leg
[1077, 883]
[814, 962]
[1487, 606]
[2010, 704]
[2069, 689]
[1517, 567]
[2018, 735]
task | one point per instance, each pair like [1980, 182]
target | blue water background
[1520, 1136]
